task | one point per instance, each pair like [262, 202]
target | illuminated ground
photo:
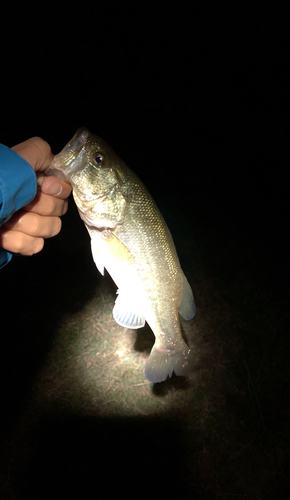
[76, 403]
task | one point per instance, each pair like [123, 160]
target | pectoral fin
[187, 308]
[109, 252]
[126, 312]
[116, 248]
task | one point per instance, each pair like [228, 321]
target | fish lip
[78, 141]
[75, 147]
[56, 173]
[67, 161]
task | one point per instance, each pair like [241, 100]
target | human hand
[26, 230]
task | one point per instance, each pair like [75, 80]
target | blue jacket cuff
[17, 183]
[5, 257]
[18, 186]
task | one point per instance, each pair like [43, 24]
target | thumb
[36, 152]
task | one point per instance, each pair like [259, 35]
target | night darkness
[194, 101]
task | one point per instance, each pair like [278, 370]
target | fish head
[92, 167]
[86, 162]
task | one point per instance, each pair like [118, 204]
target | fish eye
[99, 159]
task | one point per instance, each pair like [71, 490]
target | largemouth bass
[130, 238]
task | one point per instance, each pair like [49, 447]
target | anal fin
[125, 312]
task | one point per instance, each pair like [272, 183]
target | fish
[131, 240]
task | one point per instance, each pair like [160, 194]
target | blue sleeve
[17, 188]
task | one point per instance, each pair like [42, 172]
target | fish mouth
[78, 141]
[67, 161]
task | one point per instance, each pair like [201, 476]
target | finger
[17, 242]
[54, 186]
[45, 204]
[36, 151]
[33, 224]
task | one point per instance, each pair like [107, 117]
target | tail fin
[163, 362]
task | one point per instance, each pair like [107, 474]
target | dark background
[192, 97]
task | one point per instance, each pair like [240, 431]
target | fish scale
[130, 238]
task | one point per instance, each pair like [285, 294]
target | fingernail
[54, 188]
